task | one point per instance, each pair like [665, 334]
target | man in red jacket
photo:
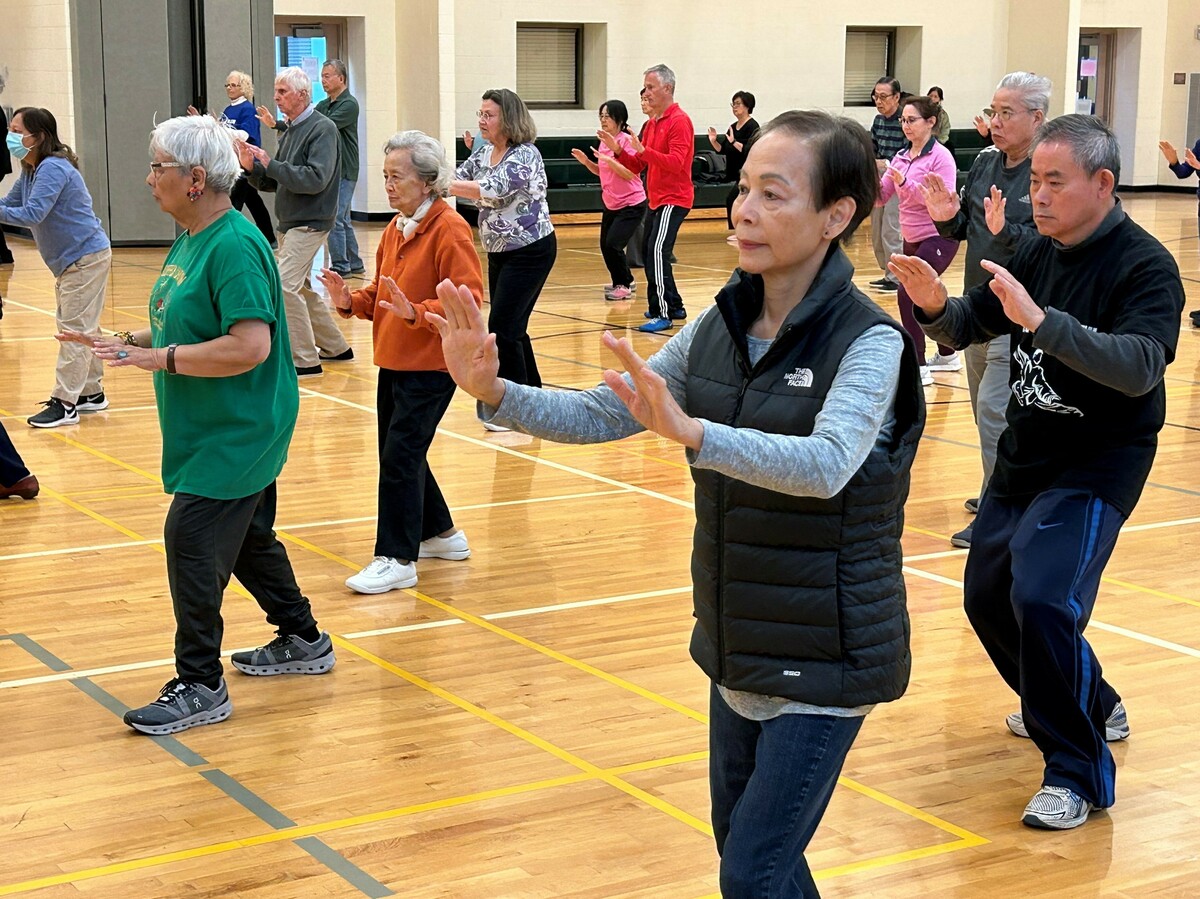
[665, 152]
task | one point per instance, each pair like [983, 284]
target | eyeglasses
[910, 120]
[882, 96]
[1002, 114]
[735, 104]
[232, 84]
[484, 116]
[157, 167]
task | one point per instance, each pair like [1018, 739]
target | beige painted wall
[35, 47]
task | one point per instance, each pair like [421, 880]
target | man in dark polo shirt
[1093, 307]
[341, 108]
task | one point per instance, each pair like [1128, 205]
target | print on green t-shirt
[223, 438]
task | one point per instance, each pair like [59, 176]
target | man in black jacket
[1093, 308]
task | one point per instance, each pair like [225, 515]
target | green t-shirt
[223, 438]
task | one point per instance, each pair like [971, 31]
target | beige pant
[79, 292]
[311, 328]
[885, 233]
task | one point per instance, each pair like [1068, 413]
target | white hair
[428, 157]
[1034, 89]
[295, 78]
[199, 140]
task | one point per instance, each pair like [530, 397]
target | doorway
[306, 44]
[1094, 80]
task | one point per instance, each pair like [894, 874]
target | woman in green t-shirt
[217, 341]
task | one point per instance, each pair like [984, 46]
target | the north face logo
[801, 377]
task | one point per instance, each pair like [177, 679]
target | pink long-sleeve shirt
[915, 223]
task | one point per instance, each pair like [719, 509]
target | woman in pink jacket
[903, 176]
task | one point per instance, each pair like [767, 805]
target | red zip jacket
[670, 142]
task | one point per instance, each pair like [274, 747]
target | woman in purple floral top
[505, 177]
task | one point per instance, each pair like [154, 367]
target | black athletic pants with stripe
[1029, 588]
[663, 298]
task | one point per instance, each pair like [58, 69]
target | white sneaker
[1116, 726]
[383, 574]
[1056, 808]
[926, 376]
[938, 362]
[453, 547]
[488, 426]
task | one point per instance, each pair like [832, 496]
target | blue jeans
[343, 245]
[771, 782]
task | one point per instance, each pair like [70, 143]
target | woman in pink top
[904, 176]
[624, 199]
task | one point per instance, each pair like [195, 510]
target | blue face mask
[15, 147]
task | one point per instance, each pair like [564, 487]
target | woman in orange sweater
[426, 242]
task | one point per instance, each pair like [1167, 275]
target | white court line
[71, 550]
[578, 472]
[944, 554]
[1099, 625]
[404, 628]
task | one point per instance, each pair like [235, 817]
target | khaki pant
[885, 233]
[79, 294]
[311, 327]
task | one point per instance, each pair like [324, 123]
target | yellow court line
[99, 454]
[917, 530]
[300, 831]
[529, 737]
[483, 623]
[1148, 590]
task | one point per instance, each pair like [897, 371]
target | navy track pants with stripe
[1030, 585]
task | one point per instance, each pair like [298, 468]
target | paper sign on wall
[1087, 68]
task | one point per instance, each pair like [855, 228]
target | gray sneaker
[963, 538]
[179, 706]
[1056, 808]
[1116, 725]
[287, 654]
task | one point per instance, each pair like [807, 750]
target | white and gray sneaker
[950, 362]
[453, 547]
[383, 574]
[1056, 808]
[287, 654]
[1116, 725]
[179, 706]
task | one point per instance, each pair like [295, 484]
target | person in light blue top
[51, 200]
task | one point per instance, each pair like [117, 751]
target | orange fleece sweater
[440, 248]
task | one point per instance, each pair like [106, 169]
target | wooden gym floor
[528, 723]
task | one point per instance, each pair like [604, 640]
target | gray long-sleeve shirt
[304, 174]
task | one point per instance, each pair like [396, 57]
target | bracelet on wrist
[127, 337]
[171, 358]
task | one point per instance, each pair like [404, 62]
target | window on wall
[870, 54]
[550, 65]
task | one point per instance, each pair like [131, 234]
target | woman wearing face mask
[51, 200]
[624, 198]
[904, 176]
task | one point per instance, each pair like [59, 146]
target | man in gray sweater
[993, 214]
[304, 178]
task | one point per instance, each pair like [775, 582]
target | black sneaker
[308, 371]
[878, 282]
[92, 403]
[887, 286]
[287, 654]
[346, 356]
[56, 414]
[1195, 317]
[179, 706]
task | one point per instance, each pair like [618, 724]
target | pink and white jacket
[915, 223]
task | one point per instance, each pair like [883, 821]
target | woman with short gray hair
[506, 178]
[227, 403]
[426, 242]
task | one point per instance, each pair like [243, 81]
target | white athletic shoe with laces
[952, 362]
[1056, 808]
[454, 547]
[1116, 725]
[383, 574]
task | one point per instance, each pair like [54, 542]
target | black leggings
[515, 280]
[616, 228]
